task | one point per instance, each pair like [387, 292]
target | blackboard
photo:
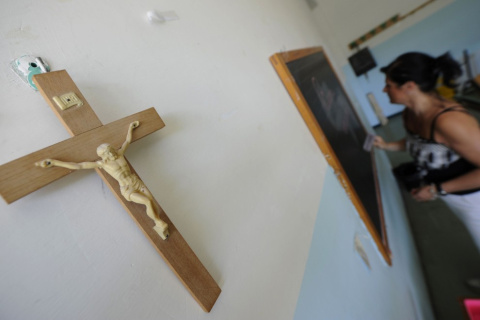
[328, 112]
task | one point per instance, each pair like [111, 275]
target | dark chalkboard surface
[319, 96]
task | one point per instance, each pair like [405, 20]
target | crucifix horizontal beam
[88, 132]
[18, 178]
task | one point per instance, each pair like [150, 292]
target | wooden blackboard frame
[279, 62]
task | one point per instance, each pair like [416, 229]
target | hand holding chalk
[379, 143]
[369, 142]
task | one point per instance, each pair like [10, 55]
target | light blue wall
[454, 28]
[338, 285]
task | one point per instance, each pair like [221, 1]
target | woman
[442, 137]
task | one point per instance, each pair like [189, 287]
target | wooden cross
[21, 177]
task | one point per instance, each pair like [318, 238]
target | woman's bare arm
[460, 132]
[389, 146]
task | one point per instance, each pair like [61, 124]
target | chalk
[368, 144]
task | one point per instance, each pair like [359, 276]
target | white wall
[235, 168]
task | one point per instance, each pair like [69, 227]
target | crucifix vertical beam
[82, 123]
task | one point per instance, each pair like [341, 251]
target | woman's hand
[378, 142]
[425, 193]
[389, 146]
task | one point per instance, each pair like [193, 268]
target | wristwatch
[440, 190]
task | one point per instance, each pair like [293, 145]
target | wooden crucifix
[21, 177]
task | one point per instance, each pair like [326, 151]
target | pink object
[473, 308]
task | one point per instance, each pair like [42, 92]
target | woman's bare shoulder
[456, 125]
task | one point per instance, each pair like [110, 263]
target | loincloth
[134, 185]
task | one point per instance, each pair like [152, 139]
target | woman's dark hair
[424, 70]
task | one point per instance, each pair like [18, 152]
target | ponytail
[449, 69]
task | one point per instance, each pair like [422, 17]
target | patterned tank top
[439, 163]
[427, 152]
